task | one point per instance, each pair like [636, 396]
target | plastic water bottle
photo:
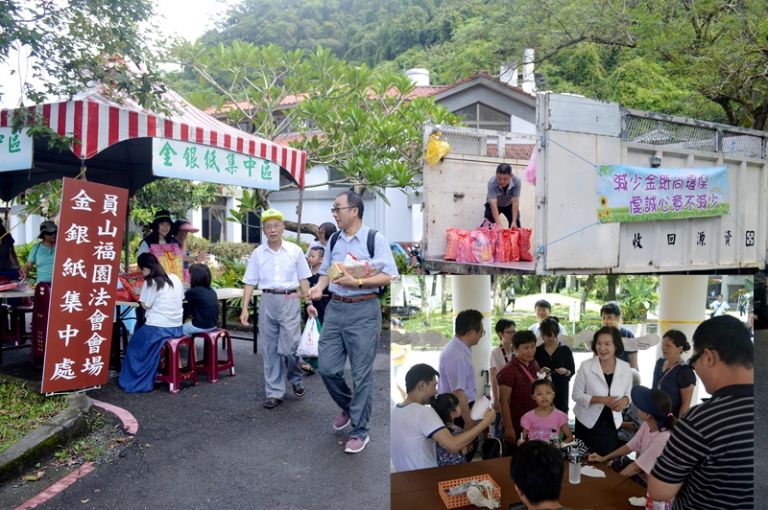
[574, 470]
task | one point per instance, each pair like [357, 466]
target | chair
[170, 370]
[211, 365]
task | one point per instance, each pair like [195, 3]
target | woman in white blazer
[601, 391]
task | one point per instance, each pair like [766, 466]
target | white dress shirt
[277, 270]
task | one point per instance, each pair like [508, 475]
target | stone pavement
[215, 446]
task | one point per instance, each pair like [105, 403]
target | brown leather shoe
[272, 402]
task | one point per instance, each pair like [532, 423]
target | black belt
[354, 299]
[278, 291]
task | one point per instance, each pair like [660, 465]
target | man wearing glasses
[352, 318]
[709, 459]
[456, 373]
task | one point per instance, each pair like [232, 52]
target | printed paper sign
[81, 314]
[629, 193]
[172, 158]
[15, 150]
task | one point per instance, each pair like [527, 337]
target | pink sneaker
[356, 445]
[341, 421]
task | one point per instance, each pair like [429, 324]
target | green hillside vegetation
[702, 59]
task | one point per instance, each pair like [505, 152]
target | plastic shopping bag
[453, 238]
[309, 338]
[525, 243]
[437, 149]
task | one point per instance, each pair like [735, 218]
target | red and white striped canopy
[97, 122]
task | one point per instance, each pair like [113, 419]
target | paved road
[214, 446]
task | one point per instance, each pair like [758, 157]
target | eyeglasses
[694, 358]
[335, 209]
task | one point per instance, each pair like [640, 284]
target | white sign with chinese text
[15, 150]
[172, 158]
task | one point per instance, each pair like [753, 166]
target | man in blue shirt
[352, 318]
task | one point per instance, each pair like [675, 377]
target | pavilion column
[682, 305]
[474, 292]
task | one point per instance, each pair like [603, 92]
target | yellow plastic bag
[437, 149]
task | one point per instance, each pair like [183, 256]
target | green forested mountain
[704, 59]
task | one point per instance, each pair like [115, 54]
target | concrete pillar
[475, 292]
[234, 231]
[682, 305]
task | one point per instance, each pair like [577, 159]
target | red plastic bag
[507, 249]
[464, 254]
[482, 246]
[524, 243]
[513, 245]
[9, 286]
[132, 282]
[453, 238]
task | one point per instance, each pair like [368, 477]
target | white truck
[576, 135]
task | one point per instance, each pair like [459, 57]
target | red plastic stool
[170, 370]
[211, 364]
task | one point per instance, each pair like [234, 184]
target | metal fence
[480, 142]
[676, 132]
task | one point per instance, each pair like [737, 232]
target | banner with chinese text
[172, 158]
[629, 193]
[81, 316]
[15, 150]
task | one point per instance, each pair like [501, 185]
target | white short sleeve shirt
[278, 270]
[165, 308]
[411, 428]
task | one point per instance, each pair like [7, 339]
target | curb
[45, 439]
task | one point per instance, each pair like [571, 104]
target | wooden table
[18, 293]
[418, 489]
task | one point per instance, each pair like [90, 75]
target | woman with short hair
[601, 391]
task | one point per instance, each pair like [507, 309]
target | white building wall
[518, 125]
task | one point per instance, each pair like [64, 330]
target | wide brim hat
[185, 226]
[642, 398]
[47, 227]
[162, 215]
[271, 214]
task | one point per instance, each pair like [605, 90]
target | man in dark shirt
[503, 196]
[708, 462]
[611, 315]
[537, 470]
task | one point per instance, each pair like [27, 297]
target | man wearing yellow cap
[279, 269]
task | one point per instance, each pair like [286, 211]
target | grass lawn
[22, 410]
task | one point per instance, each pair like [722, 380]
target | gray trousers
[279, 333]
[350, 330]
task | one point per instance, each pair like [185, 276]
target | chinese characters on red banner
[80, 320]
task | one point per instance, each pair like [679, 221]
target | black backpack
[370, 244]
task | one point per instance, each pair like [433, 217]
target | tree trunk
[587, 288]
[424, 299]
[444, 300]
[306, 228]
[612, 278]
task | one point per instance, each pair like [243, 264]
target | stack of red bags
[488, 243]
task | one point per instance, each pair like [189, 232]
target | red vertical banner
[81, 315]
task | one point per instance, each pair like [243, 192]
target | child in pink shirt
[546, 422]
[653, 407]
